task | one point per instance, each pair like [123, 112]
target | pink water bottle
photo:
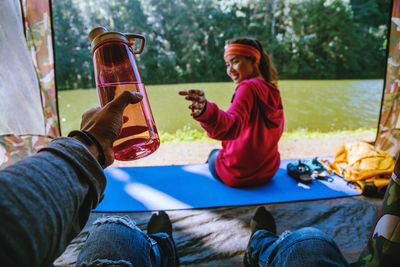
[115, 71]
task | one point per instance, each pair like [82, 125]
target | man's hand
[105, 123]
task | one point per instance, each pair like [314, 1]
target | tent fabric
[389, 122]
[40, 42]
[24, 104]
[36, 19]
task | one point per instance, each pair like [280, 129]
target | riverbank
[318, 105]
[179, 150]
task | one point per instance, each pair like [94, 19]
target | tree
[318, 47]
[73, 21]
[72, 58]
[186, 38]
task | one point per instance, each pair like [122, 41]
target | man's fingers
[134, 97]
[126, 98]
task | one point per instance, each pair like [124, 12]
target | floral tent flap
[389, 122]
[28, 99]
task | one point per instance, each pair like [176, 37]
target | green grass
[188, 134]
[304, 133]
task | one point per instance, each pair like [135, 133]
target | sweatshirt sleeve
[227, 125]
[45, 201]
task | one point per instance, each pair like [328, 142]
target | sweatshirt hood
[269, 99]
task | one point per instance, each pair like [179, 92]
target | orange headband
[243, 50]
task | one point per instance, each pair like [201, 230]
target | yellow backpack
[365, 166]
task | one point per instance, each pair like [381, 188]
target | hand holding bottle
[105, 123]
[116, 71]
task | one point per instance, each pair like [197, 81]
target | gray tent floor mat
[219, 236]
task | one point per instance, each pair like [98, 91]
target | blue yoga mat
[192, 186]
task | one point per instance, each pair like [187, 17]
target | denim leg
[306, 247]
[212, 157]
[260, 246]
[166, 247]
[116, 240]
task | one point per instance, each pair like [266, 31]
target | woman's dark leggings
[211, 162]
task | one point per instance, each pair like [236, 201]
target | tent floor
[219, 236]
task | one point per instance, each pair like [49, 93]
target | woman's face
[240, 68]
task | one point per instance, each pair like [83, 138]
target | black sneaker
[159, 223]
[262, 220]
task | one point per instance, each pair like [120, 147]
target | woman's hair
[267, 69]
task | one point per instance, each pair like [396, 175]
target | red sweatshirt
[250, 130]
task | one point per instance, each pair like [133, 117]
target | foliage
[185, 38]
[320, 46]
[186, 134]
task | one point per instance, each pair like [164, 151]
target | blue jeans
[212, 157]
[117, 241]
[306, 247]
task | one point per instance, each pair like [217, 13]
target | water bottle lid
[100, 35]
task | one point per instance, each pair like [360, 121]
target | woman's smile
[240, 68]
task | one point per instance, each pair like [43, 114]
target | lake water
[314, 105]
